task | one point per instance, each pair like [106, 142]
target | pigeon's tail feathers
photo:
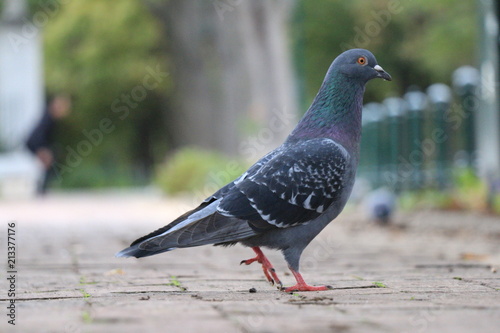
[198, 227]
[213, 229]
[203, 210]
[135, 251]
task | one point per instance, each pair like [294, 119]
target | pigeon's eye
[362, 61]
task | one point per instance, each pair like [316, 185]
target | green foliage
[101, 52]
[495, 205]
[194, 169]
[379, 284]
[85, 294]
[83, 281]
[95, 174]
[87, 317]
[468, 192]
[428, 198]
[418, 42]
[176, 283]
[465, 178]
[441, 36]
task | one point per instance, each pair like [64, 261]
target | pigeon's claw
[268, 276]
[279, 285]
[301, 285]
[267, 267]
[248, 261]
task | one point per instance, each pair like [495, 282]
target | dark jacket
[42, 134]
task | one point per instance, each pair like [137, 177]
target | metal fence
[417, 140]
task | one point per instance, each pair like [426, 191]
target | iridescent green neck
[335, 113]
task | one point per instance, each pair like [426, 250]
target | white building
[21, 98]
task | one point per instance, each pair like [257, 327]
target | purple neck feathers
[335, 114]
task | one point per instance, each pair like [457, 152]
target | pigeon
[286, 198]
[380, 205]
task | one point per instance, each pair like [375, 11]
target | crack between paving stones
[448, 266]
[478, 283]
[359, 287]
[225, 315]
[46, 298]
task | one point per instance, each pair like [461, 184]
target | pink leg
[267, 267]
[302, 285]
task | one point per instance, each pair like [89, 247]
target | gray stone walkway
[429, 272]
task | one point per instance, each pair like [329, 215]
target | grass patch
[379, 284]
[86, 317]
[176, 283]
[83, 281]
[192, 170]
[85, 294]
[467, 193]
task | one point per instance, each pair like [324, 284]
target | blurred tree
[109, 56]
[229, 64]
[233, 73]
[418, 42]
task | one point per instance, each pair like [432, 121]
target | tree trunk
[232, 75]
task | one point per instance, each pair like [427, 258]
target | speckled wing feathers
[295, 186]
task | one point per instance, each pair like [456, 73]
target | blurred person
[41, 139]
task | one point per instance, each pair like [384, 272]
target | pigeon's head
[360, 64]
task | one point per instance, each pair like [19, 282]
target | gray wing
[295, 186]
[292, 185]
[250, 172]
[200, 226]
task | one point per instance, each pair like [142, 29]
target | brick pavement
[429, 272]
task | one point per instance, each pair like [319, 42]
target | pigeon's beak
[381, 73]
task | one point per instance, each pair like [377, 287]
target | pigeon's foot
[305, 287]
[267, 267]
[302, 285]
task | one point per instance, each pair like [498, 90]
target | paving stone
[428, 272]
